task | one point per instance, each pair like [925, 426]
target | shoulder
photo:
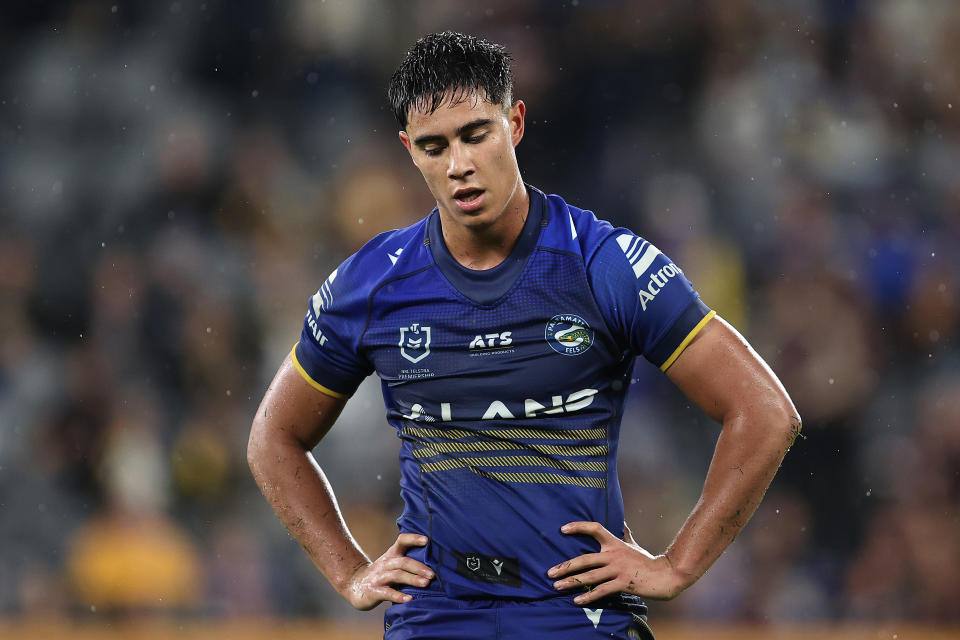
[385, 256]
[576, 230]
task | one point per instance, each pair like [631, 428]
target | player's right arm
[291, 420]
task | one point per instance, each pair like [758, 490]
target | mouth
[468, 199]
[467, 195]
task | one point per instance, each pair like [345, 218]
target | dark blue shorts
[430, 616]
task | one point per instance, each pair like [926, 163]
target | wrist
[682, 576]
[346, 582]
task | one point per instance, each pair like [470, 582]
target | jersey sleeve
[647, 300]
[328, 353]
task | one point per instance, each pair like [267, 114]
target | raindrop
[379, 477]
[209, 329]
[869, 492]
[830, 381]
[254, 93]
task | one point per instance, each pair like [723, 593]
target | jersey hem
[686, 341]
[313, 383]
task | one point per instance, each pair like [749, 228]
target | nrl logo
[415, 342]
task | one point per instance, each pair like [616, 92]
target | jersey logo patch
[415, 342]
[488, 343]
[568, 334]
[593, 615]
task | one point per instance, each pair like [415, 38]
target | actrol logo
[641, 255]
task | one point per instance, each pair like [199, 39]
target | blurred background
[177, 178]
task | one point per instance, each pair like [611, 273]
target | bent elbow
[787, 418]
[255, 446]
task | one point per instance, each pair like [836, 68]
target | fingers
[587, 579]
[406, 541]
[594, 529]
[391, 595]
[398, 576]
[577, 564]
[409, 565]
[600, 591]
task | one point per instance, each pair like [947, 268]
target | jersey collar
[486, 286]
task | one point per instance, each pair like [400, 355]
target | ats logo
[489, 343]
[568, 334]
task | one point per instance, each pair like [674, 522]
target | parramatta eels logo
[415, 342]
[568, 334]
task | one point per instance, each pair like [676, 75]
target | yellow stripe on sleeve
[313, 383]
[690, 336]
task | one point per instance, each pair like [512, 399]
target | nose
[461, 162]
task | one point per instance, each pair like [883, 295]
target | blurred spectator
[130, 557]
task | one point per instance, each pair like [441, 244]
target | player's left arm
[729, 381]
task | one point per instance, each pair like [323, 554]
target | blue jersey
[505, 386]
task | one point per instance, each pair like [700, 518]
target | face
[465, 152]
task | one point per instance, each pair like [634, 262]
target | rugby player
[504, 327]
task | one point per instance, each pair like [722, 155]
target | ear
[515, 115]
[405, 139]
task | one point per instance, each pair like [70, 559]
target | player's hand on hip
[620, 565]
[375, 582]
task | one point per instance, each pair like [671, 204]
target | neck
[485, 246]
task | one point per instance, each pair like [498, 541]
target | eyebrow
[473, 124]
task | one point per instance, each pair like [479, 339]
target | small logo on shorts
[492, 569]
[568, 334]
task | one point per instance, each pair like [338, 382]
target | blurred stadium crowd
[177, 178]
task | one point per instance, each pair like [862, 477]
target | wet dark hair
[450, 62]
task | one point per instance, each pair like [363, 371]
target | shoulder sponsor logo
[568, 334]
[323, 298]
[641, 255]
[321, 301]
[415, 342]
[395, 255]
